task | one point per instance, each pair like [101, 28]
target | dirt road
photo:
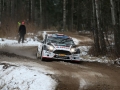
[70, 76]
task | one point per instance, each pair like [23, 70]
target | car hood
[62, 46]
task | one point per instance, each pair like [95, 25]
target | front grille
[61, 57]
[62, 52]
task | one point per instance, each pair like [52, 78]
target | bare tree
[101, 40]
[41, 13]
[32, 9]
[72, 10]
[101, 29]
[95, 30]
[79, 16]
[12, 10]
[0, 10]
[64, 15]
[115, 13]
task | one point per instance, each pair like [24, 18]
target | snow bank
[24, 78]
[27, 42]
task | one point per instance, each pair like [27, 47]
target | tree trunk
[117, 31]
[79, 17]
[115, 13]
[32, 11]
[95, 30]
[0, 11]
[31, 8]
[44, 14]
[12, 9]
[101, 34]
[41, 14]
[72, 9]
[100, 30]
[64, 15]
[8, 8]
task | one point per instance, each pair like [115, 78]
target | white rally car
[58, 46]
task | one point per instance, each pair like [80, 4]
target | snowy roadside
[35, 42]
[20, 77]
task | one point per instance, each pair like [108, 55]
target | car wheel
[37, 55]
[41, 56]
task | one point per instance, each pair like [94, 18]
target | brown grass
[11, 29]
[77, 34]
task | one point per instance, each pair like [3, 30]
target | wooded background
[102, 17]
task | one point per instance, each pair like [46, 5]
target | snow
[35, 42]
[25, 78]
[83, 84]
[76, 41]
[28, 42]
[20, 77]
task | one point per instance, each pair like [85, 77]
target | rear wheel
[41, 56]
[38, 55]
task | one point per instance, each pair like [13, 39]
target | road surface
[69, 75]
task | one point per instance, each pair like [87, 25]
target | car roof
[58, 36]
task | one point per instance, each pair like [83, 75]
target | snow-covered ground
[25, 78]
[19, 77]
[34, 41]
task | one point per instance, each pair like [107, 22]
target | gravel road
[69, 75]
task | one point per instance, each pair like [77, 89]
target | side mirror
[42, 42]
[49, 43]
[75, 46]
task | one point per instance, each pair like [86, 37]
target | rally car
[59, 47]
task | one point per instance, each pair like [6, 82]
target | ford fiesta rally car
[58, 46]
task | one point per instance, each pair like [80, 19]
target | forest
[101, 17]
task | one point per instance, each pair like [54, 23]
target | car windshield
[60, 41]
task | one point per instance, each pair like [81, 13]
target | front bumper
[51, 55]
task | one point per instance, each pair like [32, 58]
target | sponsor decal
[62, 47]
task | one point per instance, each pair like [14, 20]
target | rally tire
[37, 55]
[41, 56]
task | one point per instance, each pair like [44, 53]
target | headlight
[72, 50]
[51, 48]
